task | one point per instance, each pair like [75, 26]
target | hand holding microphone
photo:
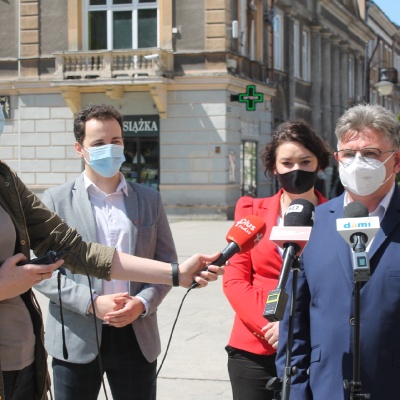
[292, 237]
[242, 237]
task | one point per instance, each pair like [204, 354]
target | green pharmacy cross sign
[251, 98]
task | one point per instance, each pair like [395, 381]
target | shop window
[142, 161]
[249, 169]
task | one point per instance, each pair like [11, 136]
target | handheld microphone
[242, 237]
[49, 258]
[292, 237]
[358, 229]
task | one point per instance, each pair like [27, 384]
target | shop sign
[250, 98]
[141, 125]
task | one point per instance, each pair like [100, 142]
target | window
[249, 159]
[296, 49]
[252, 40]
[121, 24]
[250, 28]
[305, 56]
[243, 27]
[397, 62]
[278, 41]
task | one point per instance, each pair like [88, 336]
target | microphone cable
[172, 331]
[54, 256]
[78, 258]
[50, 257]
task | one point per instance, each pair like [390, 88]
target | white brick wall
[38, 142]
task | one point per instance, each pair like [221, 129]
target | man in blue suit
[369, 159]
[104, 208]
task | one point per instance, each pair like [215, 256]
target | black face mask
[298, 181]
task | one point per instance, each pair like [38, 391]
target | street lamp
[387, 80]
[387, 76]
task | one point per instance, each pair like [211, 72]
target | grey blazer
[151, 237]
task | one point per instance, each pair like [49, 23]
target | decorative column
[326, 88]
[29, 38]
[359, 76]
[336, 76]
[315, 49]
[289, 64]
[344, 75]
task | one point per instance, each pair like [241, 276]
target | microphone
[242, 237]
[49, 258]
[358, 229]
[292, 237]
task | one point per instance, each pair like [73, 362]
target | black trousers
[129, 374]
[20, 385]
[249, 374]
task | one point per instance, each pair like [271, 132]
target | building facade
[176, 69]
[328, 57]
[173, 68]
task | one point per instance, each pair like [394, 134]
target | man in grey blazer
[104, 208]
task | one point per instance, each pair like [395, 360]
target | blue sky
[391, 8]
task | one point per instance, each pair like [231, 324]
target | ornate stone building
[172, 67]
[328, 56]
[175, 69]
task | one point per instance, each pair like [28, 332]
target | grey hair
[374, 116]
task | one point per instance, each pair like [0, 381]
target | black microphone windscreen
[299, 213]
[355, 209]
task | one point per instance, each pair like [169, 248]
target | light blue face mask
[106, 160]
[2, 120]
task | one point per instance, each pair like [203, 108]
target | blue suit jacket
[323, 337]
[151, 237]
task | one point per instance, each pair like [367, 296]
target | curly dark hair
[295, 131]
[100, 112]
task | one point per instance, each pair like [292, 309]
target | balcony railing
[106, 64]
[246, 68]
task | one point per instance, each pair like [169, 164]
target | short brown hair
[100, 112]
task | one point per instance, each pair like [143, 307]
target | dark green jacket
[41, 230]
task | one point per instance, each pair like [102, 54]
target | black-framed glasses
[367, 154]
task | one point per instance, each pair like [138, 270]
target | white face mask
[106, 160]
[363, 178]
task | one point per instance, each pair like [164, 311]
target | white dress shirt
[112, 226]
[379, 211]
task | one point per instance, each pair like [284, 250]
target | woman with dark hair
[295, 155]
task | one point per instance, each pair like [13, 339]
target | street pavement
[195, 365]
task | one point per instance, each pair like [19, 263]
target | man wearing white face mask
[369, 159]
[361, 171]
[104, 208]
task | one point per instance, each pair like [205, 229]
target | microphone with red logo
[242, 237]
[292, 237]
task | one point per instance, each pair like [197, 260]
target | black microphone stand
[361, 273]
[281, 387]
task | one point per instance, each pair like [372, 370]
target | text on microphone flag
[247, 232]
[349, 226]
